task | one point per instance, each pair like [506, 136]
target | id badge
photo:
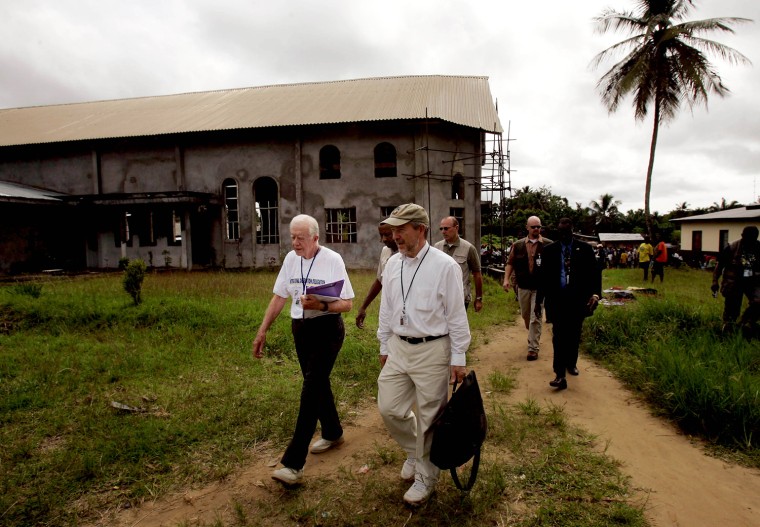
[748, 273]
[404, 320]
[567, 279]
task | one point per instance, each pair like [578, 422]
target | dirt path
[680, 485]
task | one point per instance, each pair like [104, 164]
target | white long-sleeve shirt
[434, 301]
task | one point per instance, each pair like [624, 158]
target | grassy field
[199, 403]
[669, 347]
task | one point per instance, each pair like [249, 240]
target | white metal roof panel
[14, 191]
[742, 213]
[458, 99]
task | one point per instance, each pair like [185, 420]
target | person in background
[645, 254]
[386, 237]
[660, 259]
[466, 255]
[739, 263]
[524, 262]
[424, 335]
[318, 333]
[570, 283]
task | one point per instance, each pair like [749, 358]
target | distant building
[620, 239]
[213, 178]
[707, 234]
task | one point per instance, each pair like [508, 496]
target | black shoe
[532, 355]
[573, 371]
[560, 383]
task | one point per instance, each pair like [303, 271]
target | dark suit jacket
[585, 280]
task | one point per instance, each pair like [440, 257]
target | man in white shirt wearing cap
[424, 335]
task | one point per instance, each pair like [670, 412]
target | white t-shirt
[386, 253]
[296, 274]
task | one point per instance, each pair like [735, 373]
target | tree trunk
[650, 168]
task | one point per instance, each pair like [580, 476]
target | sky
[537, 55]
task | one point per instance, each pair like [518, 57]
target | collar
[420, 253]
[454, 244]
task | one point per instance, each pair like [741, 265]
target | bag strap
[473, 473]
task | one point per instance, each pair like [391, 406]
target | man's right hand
[360, 316]
[714, 288]
[505, 285]
[258, 345]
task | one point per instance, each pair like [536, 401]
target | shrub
[134, 274]
[32, 290]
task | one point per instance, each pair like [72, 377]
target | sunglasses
[535, 226]
[445, 228]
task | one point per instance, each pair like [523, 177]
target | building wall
[711, 233]
[428, 155]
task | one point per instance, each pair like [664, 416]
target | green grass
[670, 348]
[71, 347]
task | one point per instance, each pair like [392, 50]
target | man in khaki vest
[466, 255]
[524, 262]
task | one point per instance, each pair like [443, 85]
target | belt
[420, 340]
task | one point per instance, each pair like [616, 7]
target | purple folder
[326, 292]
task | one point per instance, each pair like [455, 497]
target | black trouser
[567, 324]
[318, 341]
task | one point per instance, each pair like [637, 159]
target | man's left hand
[593, 302]
[478, 305]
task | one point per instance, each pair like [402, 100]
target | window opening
[340, 225]
[267, 211]
[231, 209]
[329, 162]
[722, 239]
[458, 213]
[457, 187]
[385, 160]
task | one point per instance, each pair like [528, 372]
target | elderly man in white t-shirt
[318, 332]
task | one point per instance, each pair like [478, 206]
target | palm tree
[605, 210]
[665, 64]
[724, 205]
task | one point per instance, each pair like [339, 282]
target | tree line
[601, 215]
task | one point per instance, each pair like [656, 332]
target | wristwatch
[325, 306]
[478, 298]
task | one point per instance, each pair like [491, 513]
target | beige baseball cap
[408, 212]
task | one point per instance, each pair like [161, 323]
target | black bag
[459, 431]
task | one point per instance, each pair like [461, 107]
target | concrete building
[213, 178]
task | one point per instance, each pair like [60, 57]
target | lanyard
[403, 296]
[304, 280]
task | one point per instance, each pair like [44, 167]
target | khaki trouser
[527, 300]
[415, 375]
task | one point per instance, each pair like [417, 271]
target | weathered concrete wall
[427, 158]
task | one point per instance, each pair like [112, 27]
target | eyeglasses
[445, 228]
[535, 226]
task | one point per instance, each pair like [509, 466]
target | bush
[134, 274]
[32, 290]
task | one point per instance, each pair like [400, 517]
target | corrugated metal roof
[15, 192]
[749, 212]
[620, 237]
[458, 99]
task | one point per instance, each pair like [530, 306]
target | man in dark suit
[570, 285]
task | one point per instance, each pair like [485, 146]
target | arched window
[457, 187]
[385, 160]
[232, 217]
[329, 162]
[267, 217]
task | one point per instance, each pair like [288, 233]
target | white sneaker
[408, 469]
[289, 476]
[418, 493]
[323, 445]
